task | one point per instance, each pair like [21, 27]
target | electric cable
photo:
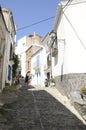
[35, 23]
[74, 31]
[67, 4]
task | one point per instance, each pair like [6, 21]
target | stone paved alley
[35, 108]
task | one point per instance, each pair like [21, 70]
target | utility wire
[75, 31]
[67, 4]
[19, 29]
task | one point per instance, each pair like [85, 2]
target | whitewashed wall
[20, 50]
[72, 50]
[40, 79]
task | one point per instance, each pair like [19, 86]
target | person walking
[18, 79]
[46, 82]
[26, 79]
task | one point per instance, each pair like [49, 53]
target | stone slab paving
[38, 109]
[79, 110]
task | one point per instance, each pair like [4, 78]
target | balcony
[54, 52]
[49, 63]
[49, 60]
[35, 66]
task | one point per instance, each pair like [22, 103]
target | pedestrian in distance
[46, 82]
[26, 80]
[18, 79]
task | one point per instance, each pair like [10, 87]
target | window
[38, 60]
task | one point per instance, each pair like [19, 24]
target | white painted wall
[20, 50]
[72, 51]
[43, 61]
[40, 79]
[9, 40]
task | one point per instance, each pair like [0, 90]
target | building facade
[7, 45]
[36, 68]
[20, 51]
[42, 62]
[10, 44]
[3, 34]
[70, 65]
[34, 44]
[25, 49]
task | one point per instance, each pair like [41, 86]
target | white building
[25, 50]
[7, 44]
[42, 63]
[35, 58]
[10, 45]
[38, 63]
[20, 51]
[3, 34]
[70, 26]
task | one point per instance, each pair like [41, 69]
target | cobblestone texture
[70, 85]
[81, 109]
[36, 109]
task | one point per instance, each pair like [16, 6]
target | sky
[32, 15]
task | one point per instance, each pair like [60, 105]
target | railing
[54, 52]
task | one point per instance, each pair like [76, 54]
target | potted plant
[83, 92]
[52, 81]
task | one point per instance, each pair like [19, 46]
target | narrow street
[36, 109]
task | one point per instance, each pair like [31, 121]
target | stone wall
[69, 83]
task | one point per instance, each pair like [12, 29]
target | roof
[11, 16]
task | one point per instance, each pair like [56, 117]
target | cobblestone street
[36, 109]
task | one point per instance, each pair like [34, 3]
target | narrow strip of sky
[32, 15]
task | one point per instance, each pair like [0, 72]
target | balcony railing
[35, 66]
[49, 63]
[54, 52]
